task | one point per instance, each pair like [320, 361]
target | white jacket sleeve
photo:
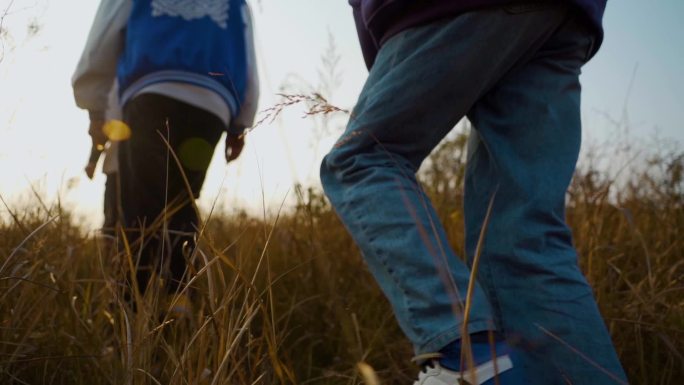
[96, 69]
[248, 109]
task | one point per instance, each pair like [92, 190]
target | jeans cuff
[442, 339]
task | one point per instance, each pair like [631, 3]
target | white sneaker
[435, 374]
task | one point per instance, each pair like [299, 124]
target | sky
[636, 78]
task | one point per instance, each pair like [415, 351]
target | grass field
[287, 299]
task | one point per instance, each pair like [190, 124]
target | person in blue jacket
[512, 68]
[186, 72]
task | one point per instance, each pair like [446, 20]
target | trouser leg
[156, 204]
[111, 205]
[523, 151]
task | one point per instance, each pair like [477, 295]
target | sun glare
[116, 130]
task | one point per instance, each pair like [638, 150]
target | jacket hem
[182, 77]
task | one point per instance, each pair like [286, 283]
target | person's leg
[523, 150]
[111, 214]
[110, 205]
[154, 193]
[424, 80]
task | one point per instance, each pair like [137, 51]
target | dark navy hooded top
[378, 20]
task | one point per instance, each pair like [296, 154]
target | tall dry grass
[287, 299]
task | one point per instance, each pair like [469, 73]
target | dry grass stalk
[316, 105]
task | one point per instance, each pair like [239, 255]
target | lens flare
[116, 130]
[195, 154]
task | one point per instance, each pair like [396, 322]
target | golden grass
[288, 300]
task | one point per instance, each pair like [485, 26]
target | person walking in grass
[512, 68]
[186, 73]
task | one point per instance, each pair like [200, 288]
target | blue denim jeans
[514, 72]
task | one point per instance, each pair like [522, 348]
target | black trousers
[156, 203]
[111, 209]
